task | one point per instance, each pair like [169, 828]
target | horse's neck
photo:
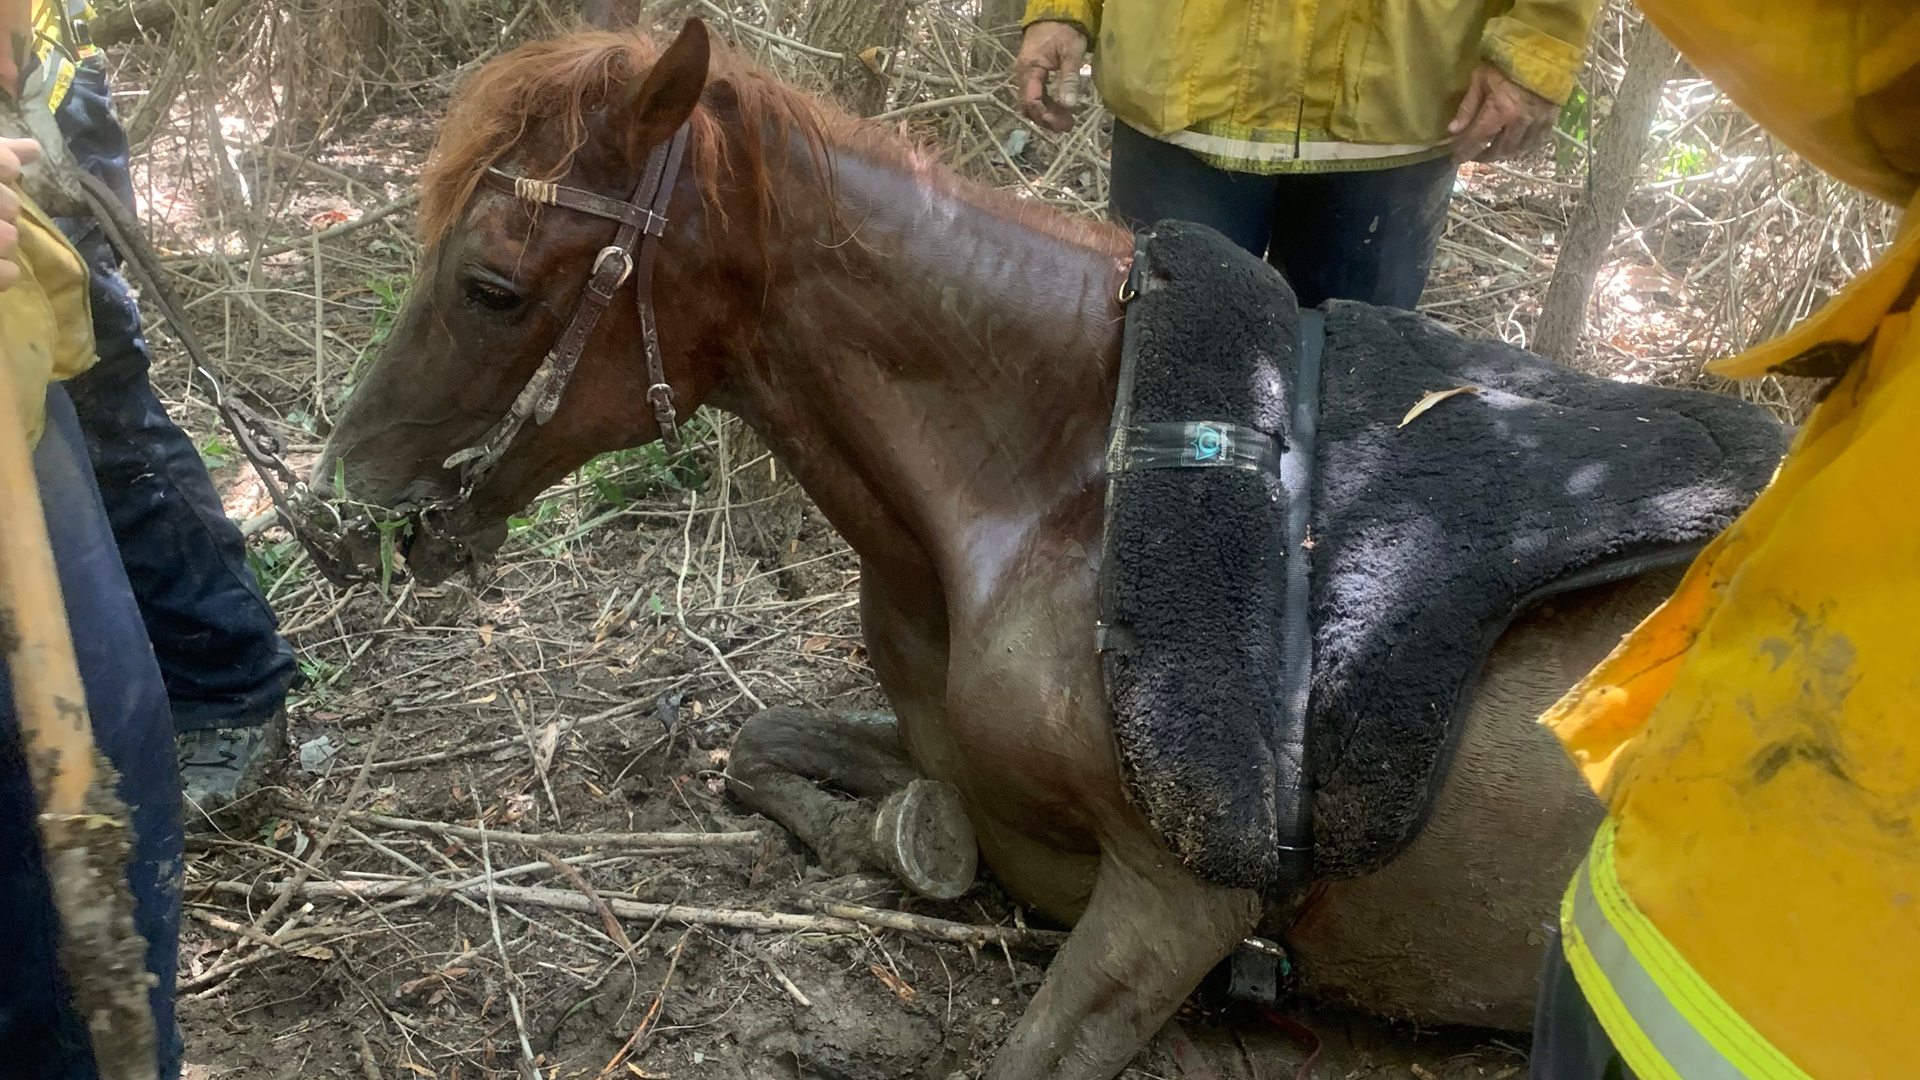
[939, 376]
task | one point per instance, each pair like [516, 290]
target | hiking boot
[220, 765]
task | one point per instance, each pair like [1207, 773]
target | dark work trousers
[1568, 1041]
[1363, 235]
[41, 1037]
[217, 640]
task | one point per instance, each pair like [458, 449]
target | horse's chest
[1026, 707]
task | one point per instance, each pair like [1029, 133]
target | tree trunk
[366, 36]
[850, 27]
[158, 101]
[1000, 19]
[1620, 141]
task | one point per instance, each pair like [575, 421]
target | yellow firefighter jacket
[1752, 906]
[1309, 81]
[46, 326]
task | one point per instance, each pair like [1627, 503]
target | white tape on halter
[540, 191]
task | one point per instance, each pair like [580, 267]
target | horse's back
[1452, 930]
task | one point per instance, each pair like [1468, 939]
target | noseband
[642, 218]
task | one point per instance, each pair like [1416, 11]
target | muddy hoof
[923, 835]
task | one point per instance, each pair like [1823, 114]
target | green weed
[1576, 122]
[215, 453]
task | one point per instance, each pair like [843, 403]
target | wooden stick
[579, 881]
[378, 213]
[842, 919]
[436, 756]
[942, 929]
[83, 824]
[527, 1066]
[614, 841]
[653, 1013]
[354, 792]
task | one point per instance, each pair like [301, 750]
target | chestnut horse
[936, 363]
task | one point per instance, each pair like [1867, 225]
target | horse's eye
[490, 295]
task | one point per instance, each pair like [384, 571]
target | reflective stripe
[1665, 1020]
[1251, 150]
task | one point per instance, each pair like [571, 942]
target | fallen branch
[940, 929]
[378, 213]
[617, 841]
[580, 882]
[622, 709]
[149, 17]
[837, 918]
[930, 106]
[354, 792]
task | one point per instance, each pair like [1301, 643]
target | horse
[936, 363]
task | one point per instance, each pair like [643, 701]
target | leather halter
[642, 218]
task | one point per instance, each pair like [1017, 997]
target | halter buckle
[608, 252]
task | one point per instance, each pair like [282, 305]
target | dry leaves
[545, 746]
[894, 983]
[1433, 398]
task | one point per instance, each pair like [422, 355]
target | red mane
[562, 80]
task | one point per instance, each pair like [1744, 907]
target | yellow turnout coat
[46, 326]
[1752, 906]
[1308, 81]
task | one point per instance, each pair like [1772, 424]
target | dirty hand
[1055, 48]
[14, 153]
[1499, 118]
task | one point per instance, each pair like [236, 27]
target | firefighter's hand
[1499, 118]
[1050, 48]
[14, 153]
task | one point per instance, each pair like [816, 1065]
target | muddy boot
[221, 765]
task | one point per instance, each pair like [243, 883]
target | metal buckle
[664, 414]
[626, 269]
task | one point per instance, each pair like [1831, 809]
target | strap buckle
[665, 414]
[626, 267]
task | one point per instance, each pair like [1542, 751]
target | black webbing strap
[1295, 812]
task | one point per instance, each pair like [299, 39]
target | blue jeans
[1568, 1041]
[40, 1034]
[217, 640]
[1364, 235]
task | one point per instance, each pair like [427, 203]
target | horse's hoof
[923, 835]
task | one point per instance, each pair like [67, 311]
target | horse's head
[503, 277]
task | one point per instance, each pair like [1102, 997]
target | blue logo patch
[1208, 442]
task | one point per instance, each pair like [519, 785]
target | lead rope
[322, 539]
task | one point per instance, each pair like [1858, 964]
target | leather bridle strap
[642, 218]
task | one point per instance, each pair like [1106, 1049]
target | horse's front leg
[1151, 931]
[788, 763]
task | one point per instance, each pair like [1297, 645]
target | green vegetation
[1576, 123]
[214, 452]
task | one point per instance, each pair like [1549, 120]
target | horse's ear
[651, 111]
